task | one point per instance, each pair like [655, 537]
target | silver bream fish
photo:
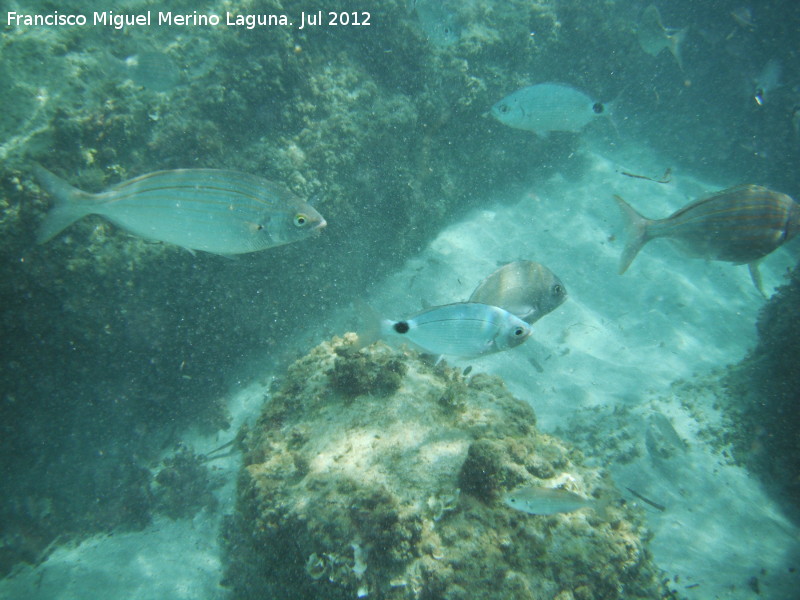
[222, 212]
[536, 500]
[524, 288]
[465, 329]
[547, 107]
[740, 225]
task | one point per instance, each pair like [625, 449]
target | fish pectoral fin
[755, 275]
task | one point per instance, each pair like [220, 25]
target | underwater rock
[762, 394]
[184, 484]
[398, 493]
[353, 374]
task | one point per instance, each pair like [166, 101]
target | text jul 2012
[169, 18]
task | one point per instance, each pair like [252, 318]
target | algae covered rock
[397, 493]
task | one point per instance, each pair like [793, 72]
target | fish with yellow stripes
[217, 211]
[741, 225]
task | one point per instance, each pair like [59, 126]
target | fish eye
[300, 220]
[558, 290]
[259, 227]
[598, 108]
[504, 108]
[518, 331]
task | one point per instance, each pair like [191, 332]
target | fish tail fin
[755, 275]
[636, 231]
[609, 114]
[676, 45]
[372, 327]
[70, 204]
[610, 108]
[602, 505]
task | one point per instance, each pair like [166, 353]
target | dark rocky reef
[763, 396]
[398, 495]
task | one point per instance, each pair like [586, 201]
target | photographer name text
[109, 18]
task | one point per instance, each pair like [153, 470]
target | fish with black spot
[464, 329]
[547, 107]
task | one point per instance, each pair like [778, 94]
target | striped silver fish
[465, 329]
[740, 225]
[536, 500]
[222, 212]
[524, 288]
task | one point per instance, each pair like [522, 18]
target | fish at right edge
[740, 225]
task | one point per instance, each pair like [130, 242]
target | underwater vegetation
[400, 494]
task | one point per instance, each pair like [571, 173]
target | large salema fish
[740, 225]
[223, 212]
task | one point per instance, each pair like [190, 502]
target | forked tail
[635, 231]
[676, 44]
[70, 204]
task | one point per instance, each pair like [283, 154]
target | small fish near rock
[537, 500]
[740, 225]
[217, 211]
[464, 329]
[524, 288]
[547, 107]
